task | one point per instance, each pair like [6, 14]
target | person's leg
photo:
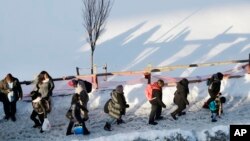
[13, 110]
[181, 107]
[158, 113]
[110, 121]
[41, 118]
[152, 114]
[85, 130]
[69, 129]
[33, 117]
[6, 106]
[213, 117]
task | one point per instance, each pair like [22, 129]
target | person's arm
[157, 94]
[19, 89]
[52, 86]
[82, 107]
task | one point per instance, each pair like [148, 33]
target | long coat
[117, 104]
[180, 96]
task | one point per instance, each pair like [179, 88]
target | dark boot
[107, 127]
[86, 132]
[159, 118]
[173, 116]
[152, 123]
[181, 113]
[119, 121]
[37, 125]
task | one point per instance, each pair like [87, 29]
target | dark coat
[157, 97]
[214, 88]
[117, 104]
[77, 109]
[180, 96]
[17, 89]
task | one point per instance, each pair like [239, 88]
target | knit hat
[219, 75]
[119, 88]
[72, 83]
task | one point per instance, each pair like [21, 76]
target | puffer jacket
[117, 104]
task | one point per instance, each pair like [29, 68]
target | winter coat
[38, 106]
[84, 98]
[77, 109]
[117, 104]
[17, 89]
[214, 86]
[157, 96]
[180, 96]
[46, 88]
[215, 105]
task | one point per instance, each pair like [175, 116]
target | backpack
[46, 105]
[149, 90]
[212, 105]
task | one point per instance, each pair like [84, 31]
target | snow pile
[196, 125]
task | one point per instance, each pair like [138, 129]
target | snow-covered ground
[195, 125]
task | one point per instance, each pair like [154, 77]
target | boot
[181, 113]
[107, 127]
[86, 132]
[173, 116]
[152, 123]
[119, 121]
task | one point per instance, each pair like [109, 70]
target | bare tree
[95, 14]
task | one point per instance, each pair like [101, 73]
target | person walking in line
[77, 106]
[154, 96]
[180, 98]
[115, 107]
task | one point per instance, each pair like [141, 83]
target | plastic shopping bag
[46, 125]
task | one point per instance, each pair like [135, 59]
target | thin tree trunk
[92, 62]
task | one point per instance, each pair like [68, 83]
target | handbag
[69, 114]
[46, 125]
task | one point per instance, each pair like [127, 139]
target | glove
[127, 105]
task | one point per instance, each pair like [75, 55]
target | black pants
[155, 112]
[12, 106]
[180, 108]
[6, 104]
[36, 121]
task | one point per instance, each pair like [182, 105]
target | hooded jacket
[117, 104]
[180, 96]
[214, 87]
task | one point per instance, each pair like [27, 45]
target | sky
[48, 35]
